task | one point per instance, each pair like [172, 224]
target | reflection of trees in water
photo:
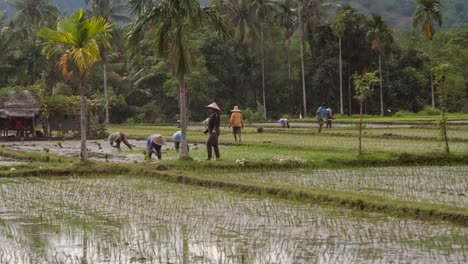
[142, 220]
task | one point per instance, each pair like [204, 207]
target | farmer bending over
[118, 137]
[154, 144]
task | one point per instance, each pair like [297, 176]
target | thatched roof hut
[19, 104]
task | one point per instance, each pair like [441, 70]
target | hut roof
[19, 104]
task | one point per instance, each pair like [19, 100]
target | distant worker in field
[236, 122]
[213, 129]
[154, 144]
[177, 137]
[178, 123]
[328, 117]
[284, 122]
[118, 137]
[320, 114]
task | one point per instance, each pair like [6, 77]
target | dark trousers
[237, 131]
[212, 143]
[155, 149]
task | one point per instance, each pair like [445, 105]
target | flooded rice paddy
[99, 150]
[437, 184]
[142, 220]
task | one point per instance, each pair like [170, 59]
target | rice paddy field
[281, 196]
[142, 220]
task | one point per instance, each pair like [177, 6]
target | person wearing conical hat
[118, 137]
[213, 130]
[154, 144]
[236, 122]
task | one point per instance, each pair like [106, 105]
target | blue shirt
[177, 137]
[321, 112]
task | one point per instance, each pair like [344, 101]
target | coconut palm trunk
[360, 127]
[263, 71]
[104, 68]
[341, 77]
[432, 75]
[183, 118]
[83, 120]
[289, 60]
[301, 44]
[350, 103]
[381, 85]
[444, 131]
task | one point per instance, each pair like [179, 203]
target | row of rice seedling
[121, 220]
[326, 140]
[436, 184]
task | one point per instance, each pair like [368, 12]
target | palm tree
[172, 22]
[338, 27]
[244, 20]
[111, 11]
[78, 40]
[262, 9]
[30, 16]
[378, 34]
[288, 20]
[428, 12]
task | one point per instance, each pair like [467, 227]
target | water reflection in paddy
[142, 220]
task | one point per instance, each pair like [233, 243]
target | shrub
[251, 115]
[403, 113]
[429, 111]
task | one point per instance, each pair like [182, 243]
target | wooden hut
[19, 111]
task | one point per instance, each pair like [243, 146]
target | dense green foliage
[142, 86]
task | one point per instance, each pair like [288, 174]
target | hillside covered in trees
[399, 13]
[261, 57]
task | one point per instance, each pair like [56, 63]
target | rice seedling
[445, 185]
[122, 219]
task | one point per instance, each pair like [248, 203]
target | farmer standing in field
[154, 144]
[236, 122]
[320, 114]
[117, 138]
[213, 130]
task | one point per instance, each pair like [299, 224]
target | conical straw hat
[236, 109]
[158, 139]
[114, 137]
[214, 106]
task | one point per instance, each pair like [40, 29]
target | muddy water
[98, 149]
[141, 220]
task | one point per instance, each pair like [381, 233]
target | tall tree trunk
[83, 120]
[381, 85]
[263, 71]
[432, 77]
[443, 124]
[341, 78]
[184, 153]
[104, 66]
[289, 60]
[360, 128]
[301, 42]
[349, 88]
